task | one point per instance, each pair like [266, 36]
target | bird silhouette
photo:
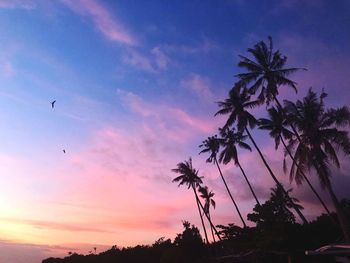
[53, 104]
[64, 151]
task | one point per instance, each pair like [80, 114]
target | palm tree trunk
[200, 214]
[274, 177]
[210, 222]
[212, 231]
[344, 224]
[305, 178]
[229, 192]
[290, 155]
[250, 187]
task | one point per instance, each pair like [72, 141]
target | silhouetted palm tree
[208, 202]
[320, 137]
[189, 176]
[236, 106]
[276, 125]
[229, 153]
[212, 146]
[266, 71]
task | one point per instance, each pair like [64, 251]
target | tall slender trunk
[212, 231]
[229, 192]
[275, 178]
[250, 187]
[305, 178]
[210, 222]
[344, 224]
[200, 214]
[289, 153]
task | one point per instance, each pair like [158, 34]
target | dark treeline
[275, 238]
[311, 136]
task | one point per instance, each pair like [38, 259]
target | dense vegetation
[312, 137]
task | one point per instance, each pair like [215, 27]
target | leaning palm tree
[189, 176]
[212, 146]
[320, 136]
[237, 105]
[208, 202]
[276, 125]
[266, 71]
[230, 139]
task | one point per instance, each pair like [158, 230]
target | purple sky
[136, 84]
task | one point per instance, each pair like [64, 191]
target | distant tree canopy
[275, 210]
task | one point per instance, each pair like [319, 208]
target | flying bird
[64, 151]
[53, 104]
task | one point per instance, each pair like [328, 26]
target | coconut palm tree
[320, 136]
[189, 176]
[266, 70]
[276, 125]
[212, 145]
[237, 105]
[230, 139]
[208, 202]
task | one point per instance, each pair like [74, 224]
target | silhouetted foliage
[264, 243]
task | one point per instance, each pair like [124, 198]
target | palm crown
[212, 146]
[266, 71]
[276, 125]
[188, 175]
[319, 134]
[236, 106]
[229, 142]
[208, 197]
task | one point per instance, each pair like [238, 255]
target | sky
[136, 85]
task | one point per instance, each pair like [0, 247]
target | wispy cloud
[24, 4]
[198, 85]
[171, 118]
[75, 227]
[103, 20]
[139, 60]
[152, 61]
[161, 59]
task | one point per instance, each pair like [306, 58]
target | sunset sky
[135, 84]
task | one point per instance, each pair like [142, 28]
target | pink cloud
[173, 122]
[104, 21]
[75, 227]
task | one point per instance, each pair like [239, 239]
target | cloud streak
[103, 20]
[75, 227]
